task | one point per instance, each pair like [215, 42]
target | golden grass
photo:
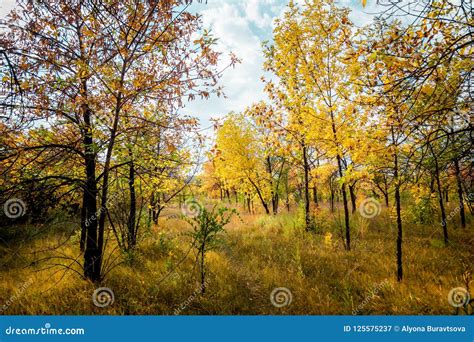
[259, 253]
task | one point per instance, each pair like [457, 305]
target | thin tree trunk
[353, 197]
[106, 172]
[315, 196]
[346, 206]
[399, 220]
[287, 194]
[332, 194]
[460, 193]
[83, 225]
[444, 221]
[203, 272]
[132, 239]
[343, 187]
[306, 189]
[264, 204]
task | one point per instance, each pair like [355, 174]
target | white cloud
[240, 28]
[5, 7]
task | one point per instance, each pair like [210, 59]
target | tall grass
[259, 253]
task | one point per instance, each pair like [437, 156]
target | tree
[82, 67]
[314, 85]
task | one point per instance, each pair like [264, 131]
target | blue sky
[241, 26]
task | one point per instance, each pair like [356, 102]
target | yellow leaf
[364, 2]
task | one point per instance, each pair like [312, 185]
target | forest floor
[258, 254]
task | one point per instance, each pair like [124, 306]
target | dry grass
[259, 253]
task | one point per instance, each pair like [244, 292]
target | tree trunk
[444, 221]
[264, 204]
[92, 252]
[353, 197]
[399, 220]
[460, 193]
[132, 239]
[203, 272]
[343, 187]
[83, 225]
[287, 190]
[307, 219]
[106, 174]
[275, 204]
[315, 196]
[332, 194]
[346, 206]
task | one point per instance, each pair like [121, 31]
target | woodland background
[349, 190]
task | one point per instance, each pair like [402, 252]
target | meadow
[258, 253]
[153, 162]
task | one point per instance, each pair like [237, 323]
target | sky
[241, 26]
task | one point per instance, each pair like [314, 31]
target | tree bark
[444, 221]
[264, 204]
[460, 193]
[399, 219]
[346, 206]
[353, 197]
[315, 196]
[132, 239]
[82, 244]
[307, 218]
[92, 252]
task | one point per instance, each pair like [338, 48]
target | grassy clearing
[259, 253]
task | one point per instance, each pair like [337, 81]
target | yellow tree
[309, 57]
[240, 158]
